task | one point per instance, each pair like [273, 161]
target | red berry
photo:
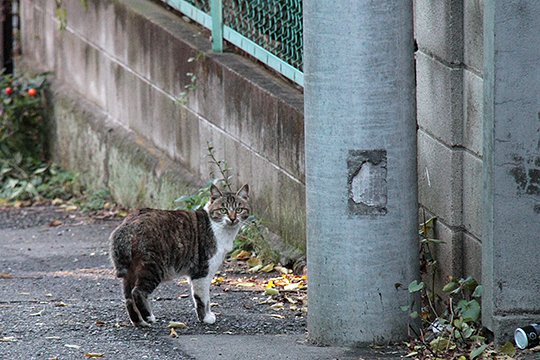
[32, 92]
[8, 91]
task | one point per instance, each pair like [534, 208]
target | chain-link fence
[270, 30]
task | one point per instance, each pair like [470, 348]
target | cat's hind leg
[133, 312]
[200, 290]
[147, 281]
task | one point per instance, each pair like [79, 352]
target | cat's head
[228, 208]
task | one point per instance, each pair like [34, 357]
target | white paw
[210, 318]
[151, 319]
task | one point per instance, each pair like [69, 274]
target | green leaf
[415, 286]
[405, 308]
[440, 344]
[507, 349]
[469, 310]
[469, 283]
[451, 286]
[477, 352]
[478, 291]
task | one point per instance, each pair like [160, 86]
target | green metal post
[216, 11]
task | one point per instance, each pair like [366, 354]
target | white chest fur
[224, 235]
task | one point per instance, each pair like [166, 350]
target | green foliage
[24, 174]
[451, 320]
[22, 117]
[95, 200]
[196, 200]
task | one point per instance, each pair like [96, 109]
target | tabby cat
[152, 246]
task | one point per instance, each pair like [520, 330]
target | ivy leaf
[414, 286]
[478, 291]
[470, 310]
[477, 352]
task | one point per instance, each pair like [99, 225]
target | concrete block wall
[449, 109]
[129, 61]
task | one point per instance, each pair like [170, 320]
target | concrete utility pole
[511, 237]
[360, 131]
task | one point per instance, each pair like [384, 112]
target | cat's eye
[223, 210]
[240, 210]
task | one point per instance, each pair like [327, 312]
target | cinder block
[438, 27]
[439, 97]
[472, 256]
[472, 194]
[473, 112]
[473, 34]
[440, 179]
[449, 253]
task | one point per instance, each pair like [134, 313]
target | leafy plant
[451, 322]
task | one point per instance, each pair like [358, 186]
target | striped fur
[152, 246]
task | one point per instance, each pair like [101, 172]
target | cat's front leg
[200, 291]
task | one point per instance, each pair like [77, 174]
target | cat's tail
[120, 251]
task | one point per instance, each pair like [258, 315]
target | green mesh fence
[274, 26]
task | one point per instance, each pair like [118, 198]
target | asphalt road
[60, 300]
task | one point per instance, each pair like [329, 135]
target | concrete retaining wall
[130, 114]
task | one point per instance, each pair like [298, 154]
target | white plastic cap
[520, 337]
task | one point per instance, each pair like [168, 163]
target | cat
[152, 246]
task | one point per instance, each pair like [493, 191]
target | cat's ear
[243, 192]
[214, 193]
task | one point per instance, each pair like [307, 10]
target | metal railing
[269, 30]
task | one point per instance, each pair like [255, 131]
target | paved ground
[59, 300]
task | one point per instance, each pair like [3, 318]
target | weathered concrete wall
[130, 61]
[449, 105]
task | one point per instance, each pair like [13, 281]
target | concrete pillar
[360, 133]
[511, 173]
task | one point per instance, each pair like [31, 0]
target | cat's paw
[210, 318]
[151, 319]
[142, 323]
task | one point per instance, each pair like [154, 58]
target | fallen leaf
[270, 291]
[93, 355]
[5, 275]
[292, 286]
[270, 284]
[57, 201]
[277, 316]
[39, 313]
[100, 323]
[253, 261]
[243, 255]
[255, 268]
[61, 304]
[122, 213]
[176, 325]
[8, 339]
[508, 349]
[72, 346]
[70, 207]
[246, 284]
[55, 223]
[173, 333]
[291, 300]
[277, 306]
[217, 280]
[268, 268]
[282, 269]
